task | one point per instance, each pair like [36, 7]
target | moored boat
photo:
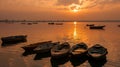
[60, 51]
[33, 46]
[51, 23]
[97, 52]
[44, 48]
[79, 49]
[29, 23]
[13, 39]
[96, 27]
[89, 24]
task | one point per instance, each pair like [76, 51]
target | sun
[74, 7]
[75, 10]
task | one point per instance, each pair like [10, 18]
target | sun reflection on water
[75, 31]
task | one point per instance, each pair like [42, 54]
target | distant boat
[96, 27]
[59, 23]
[51, 23]
[97, 52]
[34, 45]
[89, 24]
[60, 51]
[29, 23]
[79, 50]
[14, 39]
[44, 48]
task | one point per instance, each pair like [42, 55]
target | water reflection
[77, 61]
[58, 62]
[75, 37]
[75, 31]
[97, 63]
[39, 56]
[12, 44]
[26, 53]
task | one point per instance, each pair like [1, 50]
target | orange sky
[60, 9]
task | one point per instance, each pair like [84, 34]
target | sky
[60, 9]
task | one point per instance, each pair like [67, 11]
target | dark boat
[14, 39]
[33, 46]
[29, 23]
[60, 51]
[44, 48]
[97, 52]
[79, 49]
[89, 24]
[51, 23]
[96, 27]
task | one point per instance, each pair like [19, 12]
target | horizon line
[7, 20]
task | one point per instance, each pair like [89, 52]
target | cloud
[87, 3]
[25, 3]
[67, 2]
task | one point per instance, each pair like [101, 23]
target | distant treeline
[59, 20]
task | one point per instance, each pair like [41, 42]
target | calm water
[12, 56]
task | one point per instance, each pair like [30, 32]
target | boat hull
[14, 39]
[96, 27]
[33, 46]
[97, 53]
[79, 50]
[57, 52]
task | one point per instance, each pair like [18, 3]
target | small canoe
[33, 46]
[89, 24]
[44, 48]
[60, 51]
[14, 39]
[96, 27]
[51, 23]
[97, 52]
[29, 23]
[79, 49]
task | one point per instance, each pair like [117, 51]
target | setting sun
[75, 10]
[74, 7]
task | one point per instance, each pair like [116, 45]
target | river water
[72, 32]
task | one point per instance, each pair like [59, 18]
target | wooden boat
[14, 39]
[79, 49]
[97, 52]
[51, 23]
[29, 23]
[60, 51]
[44, 48]
[96, 27]
[89, 24]
[33, 46]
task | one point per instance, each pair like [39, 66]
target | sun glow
[75, 30]
[74, 7]
[75, 10]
